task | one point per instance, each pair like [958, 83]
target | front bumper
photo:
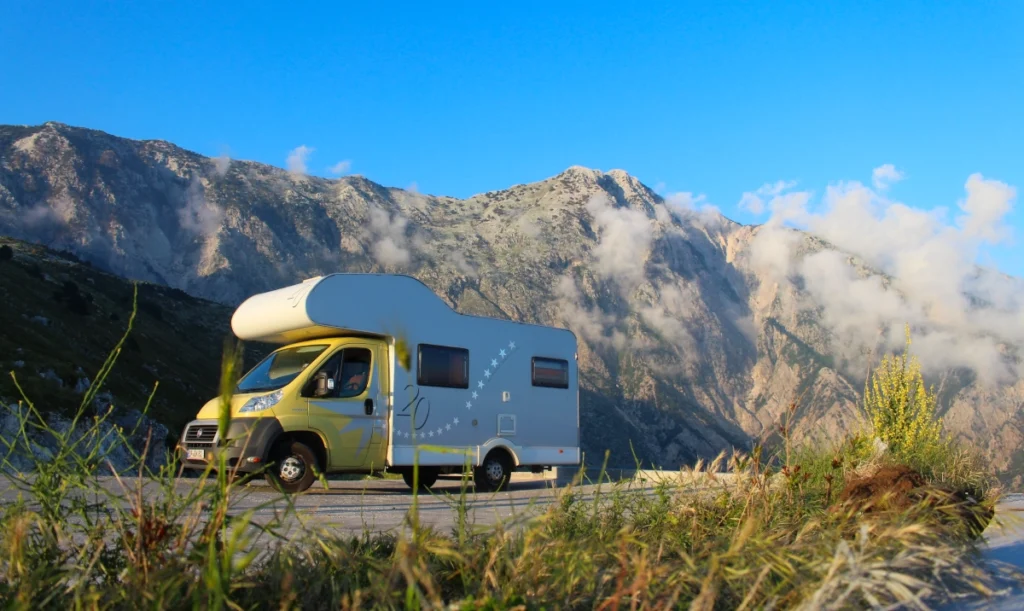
[245, 447]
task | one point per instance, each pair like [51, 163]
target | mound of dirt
[890, 487]
[898, 488]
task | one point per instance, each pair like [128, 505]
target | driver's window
[348, 373]
[355, 372]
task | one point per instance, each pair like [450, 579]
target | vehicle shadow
[449, 486]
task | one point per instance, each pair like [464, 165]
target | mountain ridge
[696, 331]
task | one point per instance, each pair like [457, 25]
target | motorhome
[375, 372]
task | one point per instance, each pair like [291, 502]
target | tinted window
[278, 369]
[443, 366]
[350, 370]
[550, 373]
[355, 372]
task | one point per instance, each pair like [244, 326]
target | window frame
[541, 384]
[419, 365]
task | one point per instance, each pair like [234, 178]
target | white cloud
[528, 228]
[886, 175]
[462, 264]
[390, 244]
[199, 216]
[342, 167]
[297, 158]
[413, 187]
[624, 242]
[666, 317]
[755, 201]
[683, 206]
[684, 200]
[936, 285]
[591, 324]
[58, 211]
[988, 201]
[221, 164]
[771, 250]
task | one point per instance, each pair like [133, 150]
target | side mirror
[324, 385]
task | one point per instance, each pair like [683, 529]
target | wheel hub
[292, 469]
[494, 471]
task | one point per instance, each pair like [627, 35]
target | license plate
[197, 454]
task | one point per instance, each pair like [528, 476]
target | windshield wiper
[257, 389]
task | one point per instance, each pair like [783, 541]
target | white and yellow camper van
[375, 372]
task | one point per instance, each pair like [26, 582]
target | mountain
[696, 333]
[61, 317]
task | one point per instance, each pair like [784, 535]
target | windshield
[278, 369]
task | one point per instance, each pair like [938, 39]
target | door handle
[368, 404]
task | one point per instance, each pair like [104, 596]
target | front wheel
[494, 473]
[292, 469]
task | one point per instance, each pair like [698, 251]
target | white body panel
[539, 425]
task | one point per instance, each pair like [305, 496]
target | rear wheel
[293, 467]
[494, 473]
[427, 477]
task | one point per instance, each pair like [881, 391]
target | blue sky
[715, 98]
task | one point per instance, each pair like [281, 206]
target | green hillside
[60, 317]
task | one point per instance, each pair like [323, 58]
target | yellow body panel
[354, 439]
[354, 436]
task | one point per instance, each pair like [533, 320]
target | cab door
[351, 415]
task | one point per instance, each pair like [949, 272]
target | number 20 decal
[415, 403]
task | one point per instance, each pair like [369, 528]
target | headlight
[258, 404]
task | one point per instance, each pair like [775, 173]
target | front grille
[200, 435]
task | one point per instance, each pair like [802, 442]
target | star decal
[503, 353]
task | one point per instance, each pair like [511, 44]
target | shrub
[152, 308]
[901, 408]
[6, 253]
[34, 272]
[75, 300]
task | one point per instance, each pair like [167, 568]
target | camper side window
[443, 366]
[550, 373]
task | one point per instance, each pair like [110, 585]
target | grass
[772, 536]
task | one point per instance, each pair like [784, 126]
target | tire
[427, 476]
[493, 473]
[292, 468]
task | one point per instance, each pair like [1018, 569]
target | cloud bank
[962, 315]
